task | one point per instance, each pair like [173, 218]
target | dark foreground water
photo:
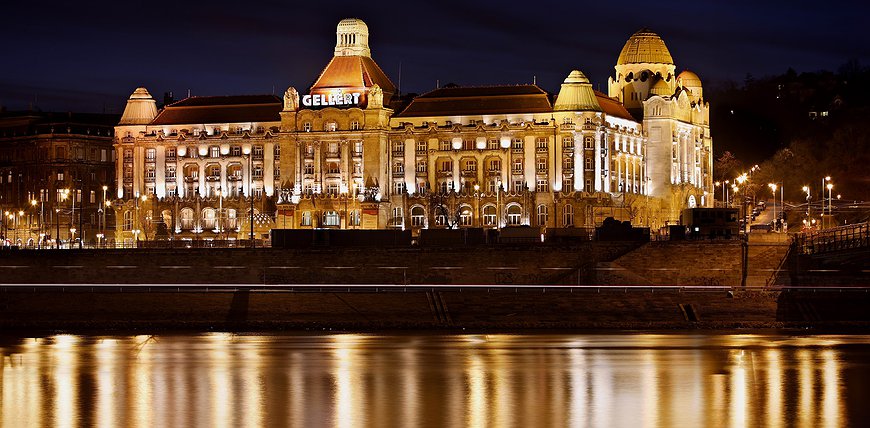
[354, 380]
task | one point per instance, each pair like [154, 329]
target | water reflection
[352, 380]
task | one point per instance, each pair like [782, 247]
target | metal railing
[834, 239]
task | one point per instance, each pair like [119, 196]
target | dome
[692, 82]
[141, 108]
[645, 46]
[689, 79]
[576, 94]
[661, 88]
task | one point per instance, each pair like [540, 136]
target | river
[627, 379]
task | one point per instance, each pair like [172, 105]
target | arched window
[187, 219]
[306, 218]
[232, 219]
[128, 220]
[418, 216]
[331, 218]
[208, 218]
[568, 216]
[542, 215]
[514, 215]
[466, 218]
[489, 215]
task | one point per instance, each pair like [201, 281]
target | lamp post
[807, 190]
[57, 228]
[829, 186]
[30, 229]
[477, 194]
[103, 208]
[773, 187]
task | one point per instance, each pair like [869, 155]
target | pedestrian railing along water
[840, 238]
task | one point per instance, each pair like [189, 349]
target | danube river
[439, 380]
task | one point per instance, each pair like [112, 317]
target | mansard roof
[221, 109]
[480, 100]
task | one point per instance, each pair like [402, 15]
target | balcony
[190, 179]
[213, 178]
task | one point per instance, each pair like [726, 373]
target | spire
[352, 38]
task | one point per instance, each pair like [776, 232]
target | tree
[727, 167]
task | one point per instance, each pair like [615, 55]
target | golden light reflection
[831, 406]
[806, 408]
[106, 357]
[140, 387]
[476, 399]
[354, 380]
[738, 389]
[65, 359]
[774, 388]
[577, 411]
[219, 379]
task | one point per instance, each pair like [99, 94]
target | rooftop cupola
[141, 108]
[576, 94]
[352, 38]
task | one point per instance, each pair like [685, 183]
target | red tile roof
[612, 106]
[221, 109]
[354, 72]
[479, 101]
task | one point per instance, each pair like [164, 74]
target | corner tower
[643, 62]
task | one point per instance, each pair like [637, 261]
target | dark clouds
[69, 55]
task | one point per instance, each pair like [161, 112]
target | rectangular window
[276, 152]
[309, 168]
[258, 152]
[150, 155]
[357, 148]
[354, 126]
[567, 142]
[236, 150]
[421, 167]
[399, 187]
[542, 165]
[398, 147]
[589, 142]
[215, 151]
[589, 165]
[543, 186]
[518, 166]
[542, 144]
[494, 165]
[422, 147]
[170, 154]
[467, 144]
[444, 145]
[103, 157]
[493, 144]
[517, 145]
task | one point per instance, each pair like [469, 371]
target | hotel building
[348, 153]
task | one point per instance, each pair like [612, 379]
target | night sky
[89, 56]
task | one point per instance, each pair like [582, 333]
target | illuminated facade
[348, 154]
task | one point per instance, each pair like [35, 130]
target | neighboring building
[348, 154]
[53, 169]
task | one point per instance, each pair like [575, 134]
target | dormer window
[306, 126]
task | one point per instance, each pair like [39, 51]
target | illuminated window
[418, 217]
[493, 144]
[514, 215]
[399, 187]
[494, 165]
[128, 220]
[331, 218]
[469, 165]
[330, 126]
[277, 151]
[517, 145]
[354, 218]
[421, 167]
[543, 215]
[150, 155]
[215, 151]
[397, 220]
[306, 218]
[258, 152]
[444, 145]
[398, 168]
[354, 126]
[489, 215]
[309, 168]
[567, 142]
[568, 163]
[541, 143]
[236, 150]
[543, 186]
[589, 164]
[542, 165]
[357, 148]
[465, 216]
[422, 147]
[332, 168]
[398, 148]
[518, 166]
[306, 126]
[568, 215]
[170, 154]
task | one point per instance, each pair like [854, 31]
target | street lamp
[829, 186]
[477, 194]
[773, 187]
[103, 212]
[807, 190]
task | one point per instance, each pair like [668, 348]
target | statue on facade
[375, 97]
[291, 99]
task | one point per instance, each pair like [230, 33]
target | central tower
[352, 38]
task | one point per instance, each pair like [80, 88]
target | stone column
[579, 162]
[410, 165]
[160, 172]
[269, 168]
[529, 166]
